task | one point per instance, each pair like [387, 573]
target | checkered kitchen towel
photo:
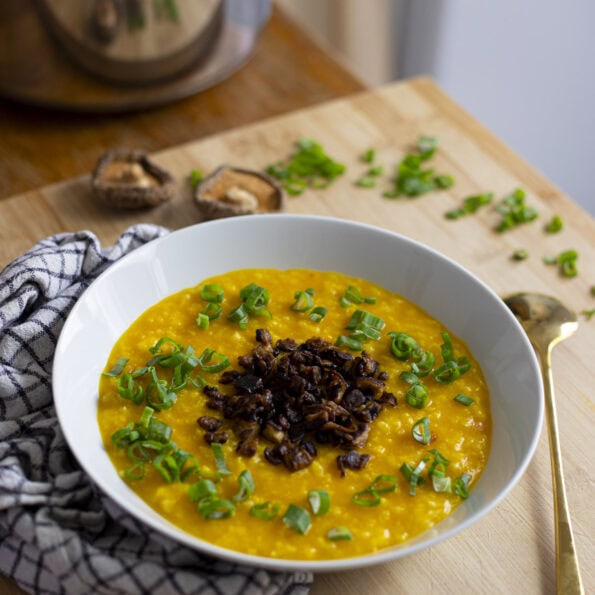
[58, 532]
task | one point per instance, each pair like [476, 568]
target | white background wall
[524, 68]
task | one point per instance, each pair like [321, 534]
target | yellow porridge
[295, 414]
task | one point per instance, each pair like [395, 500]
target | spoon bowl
[547, 322]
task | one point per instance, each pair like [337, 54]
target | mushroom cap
[210, 193]
[155, 186]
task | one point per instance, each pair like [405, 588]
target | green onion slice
[127, 389]
[344, 302]
[202, 321]
[212, 311]
[367, 498]
[368, 156]
[239, 315]
[208, 355]
[318, 313]
[303, 301]
[203, 488]
[421, 431]
[265, 511]
[403, 346]
[135, 472]
[441, 484]
[461, 487]
[212, 292]
[384, 484]
[339, 533]
[354, 295]
[424, 363]
[320, 501]
[417, 396]
[118, 367]
[220, 459]
[213, 508]
[464, 399]
[246, 486]
[195, 177]
[363, 318]
[297, 518]
[349, 342]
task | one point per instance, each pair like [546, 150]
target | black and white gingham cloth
[58, 532]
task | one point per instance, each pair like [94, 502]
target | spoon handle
[568, 578]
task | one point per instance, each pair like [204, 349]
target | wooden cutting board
[512, 549]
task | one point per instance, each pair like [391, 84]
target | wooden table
[511, 550]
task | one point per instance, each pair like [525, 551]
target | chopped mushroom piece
[294, 395]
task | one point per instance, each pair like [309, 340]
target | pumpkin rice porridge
[296, 414]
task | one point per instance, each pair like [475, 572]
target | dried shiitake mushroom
[127, 179]
[230, 191]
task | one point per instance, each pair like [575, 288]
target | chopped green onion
[318, 313]
[366, 181]
[447, 373]
[421, 431]
[441, 484]
[461, 487]
[308, 166]
[447, 349]
[413, 476]
[320, 501]
[255, 298]
[202, 321]
[195, 178]
[239, 315]
[349, 342]
[588, 314]
[128, 391]
[375, 171]
[567, 261]
[135, 472]
[555, 225]
[367, 497]
[368, 156]
[303, 301]
[384, 484]
[464, 399]
[423, 364]
[221, 361]
[520, 254]
[310, 291]
[212, 292]
[220, 459]
[125, 436]
[470, 205]
[212, 311]
[246, 486]
[145, 417]
[354, 295]
[297, 518]
[361, 317]
[370, 299]
[363, 333]
[213, 508]
[203, 488]
[403, 346]
[514, 211]
[409, 377]
[417, 396]
[439, 464]
[427, 144]
[265, 511]
[550, 260]
[339, 533]
[444, 181]
[118, 367]
[344, 302]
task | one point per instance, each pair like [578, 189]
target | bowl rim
[280, 564]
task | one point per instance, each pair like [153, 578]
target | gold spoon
[547, 322]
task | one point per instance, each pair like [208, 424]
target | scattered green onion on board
[555, 224]
[470, 205]
[520, 254]
[195, 178]
[514, 211]
[309, 166]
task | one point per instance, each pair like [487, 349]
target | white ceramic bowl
[437, 284]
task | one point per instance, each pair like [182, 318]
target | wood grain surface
[287, 71]
[511, 550]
